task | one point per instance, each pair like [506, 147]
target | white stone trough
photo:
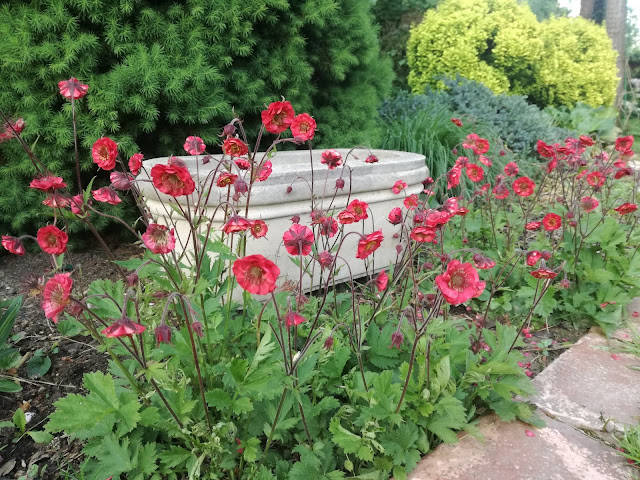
[270, 202]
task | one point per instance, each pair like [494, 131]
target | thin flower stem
[75, 143]
[411, 360]
[273, 429]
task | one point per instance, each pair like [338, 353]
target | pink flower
[135, 163]
[543, 273]
[626, 208]
[346, 217]
[595, 179]
[303, 127]
[256, 274]
[328, 227]
[395, 216]
[459, 283]
[13, 245]
[56, 200]
[529, 433]
[423, 234]
[325, 259]
[56, 295]
[624, 143]
[411, 201]
[265, 171]
[532, 226]
[172, 180]
[371, 159]
[474, 172]
[258, 228]
[234, 147]
[278, 117]
[159, 239]
[298, 240]
[123, 327]
[453, 177]
[382, 280]
[477, 144]
[47, 183]
[588, 204]
[72, 88]
[331, 158]
[104, 153]
[225, 179]
[397, 339]
[485, 160]
[457, 122]
[121, 181]
[533, 258]
[293, 318]
[162, 334]
[52, 240]
[369, 244]
[482, 262]
[399, 186]
[551, 222]
[106, 195]
[511, 169]
[11, 129]
[359, 209]
[236, 224]
[77, 204]
[194, 145]
[523, 187]
[616, 357]
[546, 151]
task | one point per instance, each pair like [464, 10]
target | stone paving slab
[588, 388]
[556, 452]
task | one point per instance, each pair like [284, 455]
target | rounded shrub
[160, 71]
[500, 43]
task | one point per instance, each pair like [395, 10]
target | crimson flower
[234, 147]
[242, 163]
[197, 328]
[624, 143]
[172, 180]
[474, 172]
[543, 272]
[13, 245]
[121, 180]
[123, 327]
[56, 200]
[511, 169]
[486, 161]
[531, 226]
[371, 159]
[293, 318]
[240, 187]
[256, 274]
[523, 187]
[369, 244]
[626, 208]
[106, 195]
[457, 122]
[331, 158]
[359, 209]
[325, 259]
[104, 153]
[399, 186]
[459, 283]
[236, 224]
[278, 117]
[546, 151]
[462, 162]
[72, 88]
[225, 179]
[346, 217]
[10, 129]
[298, 240]
[423, 234]
[453, 177]
[47, 183]
[482, 262]
[162, 334]
[328, 227]
[437, 218]
[477, 144]
[501, 191]
[551, 222]
[303, 127]
[135, 163]
[595, 179]
[411, 201]
[382, 280]
[159, 239]
[533, 258]
[395, 216]
[52, 240]
[586, 141]
[589, 204]
[56, 295]
[77, 204]
[623, 172]
[194, 145]
[258, 228]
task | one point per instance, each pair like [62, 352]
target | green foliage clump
[160, 71]
[501, 44]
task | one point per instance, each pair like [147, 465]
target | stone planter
[271, 203]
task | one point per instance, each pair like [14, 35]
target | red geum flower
[331, 158]
[399, 186]
[395, 216]
[56, 200]
[104, 153]
[588, 204]
[123, 327]
[106, 195]
[477, 144]
[457, 122]
[626, 208]
[13, 245]
[258, 228]
[194, 145]
[236, 224]
[359, 209]
[462, 162]
[586, 141]
[523, 187]
[551, 222]
[10, 129]
[623, 172]
[225, 179]
[546, 151]
[328, 227]
[411, 201]
[56, 295]
[459, 283]
[159, 239]
[474, 172]
[265, 171]
[172, 180]
[595, 179]
[437, 218]
[234, 147]
[242, 163]
[256, 274]
[511, 169]
[482, 262]
[47, 183]
[278, 117]
[531, 226]
[453, 177]
[52, 240]
[423, 234]
[176, 162]
[121, 180]
[371, 159]
[346, 217]
[369, 244]
[293, 318]
[298, 240]
[501, 191]
[381, 281]
[303, 127]
[624, 143]
[135, 163]
[162, 334]
[533, 258]
[486, 161]
[543, 272]
[325, 259]
[72, 88]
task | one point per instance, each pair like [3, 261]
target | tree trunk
[586, 9]
[616, 20]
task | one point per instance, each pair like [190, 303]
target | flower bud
[206, 159]
[240, 186]
[197, 327]
[176, 162]
[289, 189]
[339, 184]
[328, 343]
[295, 219]
[546, 255]
[371, 159]
[229, 130]
[570, 214]
[399, 249]
[163, 334]
[133, 279]
[454, 151]
[397, 338]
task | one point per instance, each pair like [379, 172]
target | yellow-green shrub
[501, 43]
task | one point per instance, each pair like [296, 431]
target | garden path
[584, 396]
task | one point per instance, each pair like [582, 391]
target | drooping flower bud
[339, 184]
[240, 186]
[132, 279]
[197, 328]
[162, 334]
[328, 343]
[397, 338]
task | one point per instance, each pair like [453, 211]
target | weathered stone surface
[557, 452]
[589, 388]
